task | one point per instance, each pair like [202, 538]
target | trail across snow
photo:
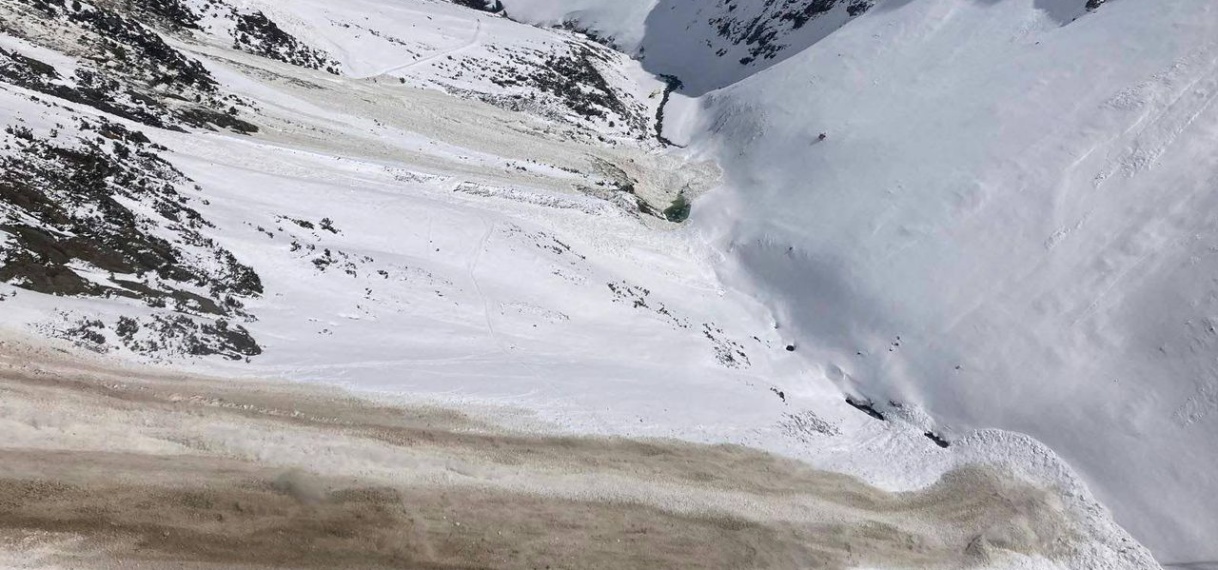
[473, 42]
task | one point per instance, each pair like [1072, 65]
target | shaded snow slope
[708, 45]
[1010, 224]
[725, 41]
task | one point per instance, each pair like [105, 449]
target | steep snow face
[707, 44]
[1006, 223]
[1010, 223]
[621, 22]
[727, 40]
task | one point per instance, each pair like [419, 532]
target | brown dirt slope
[107, 467]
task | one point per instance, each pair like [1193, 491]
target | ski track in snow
[473, 277]
[473, 42]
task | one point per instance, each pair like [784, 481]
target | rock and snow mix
[1004, 225]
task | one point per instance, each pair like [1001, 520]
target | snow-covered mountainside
[437, 203]
[1009, 223]
[709, 44]
[1014, 232]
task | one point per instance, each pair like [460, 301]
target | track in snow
[474, 41]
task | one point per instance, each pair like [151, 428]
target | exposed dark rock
[939, 441]
[574, 78]
[671, 83]
[764, 33]
[66, 207]
[178, 334]
[170, 14]
[865, 406]
[87, 333]
[493, 6]
[71, 231]
[125, 41]
[203, 117]
[127, 70]
[728, 352]
[257, 34]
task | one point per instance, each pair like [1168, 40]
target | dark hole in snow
[679, 210]
[790, 348]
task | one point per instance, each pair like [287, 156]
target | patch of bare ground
[108, 466]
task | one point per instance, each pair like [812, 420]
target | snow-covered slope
[442, 205]
[1010, 224]
[708, 45]
[622, 23]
